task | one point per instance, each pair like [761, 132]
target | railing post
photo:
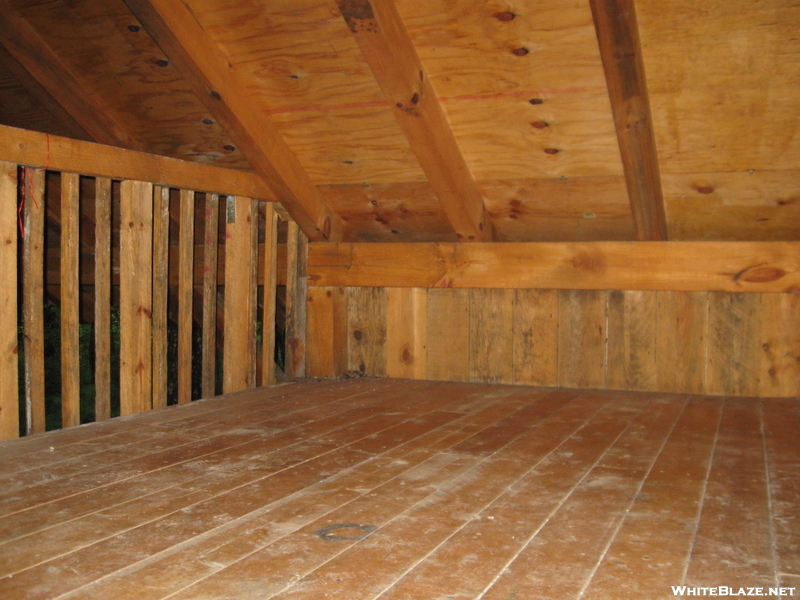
[9, 352]
[296, 292]
[70, 300]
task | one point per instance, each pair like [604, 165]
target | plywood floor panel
[446, 489]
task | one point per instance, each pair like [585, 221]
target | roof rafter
[390, 53]
[620, 50]
[205, 68]
[25, 45]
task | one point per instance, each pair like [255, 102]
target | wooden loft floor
[458, 491]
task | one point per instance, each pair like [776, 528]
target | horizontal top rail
[31, 148]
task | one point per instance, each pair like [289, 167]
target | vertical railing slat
[70, 300]
[9, 352]
[33, 297]
[185, 288]
[270, 280]
[160, 293]
[210, 247]
[136, 264]
[240, 294]
[296, 292]
[102, 299]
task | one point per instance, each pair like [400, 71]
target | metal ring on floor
[326, 534]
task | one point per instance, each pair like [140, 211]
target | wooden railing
[144, 237]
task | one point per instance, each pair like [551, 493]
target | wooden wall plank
[270, 274]
[296, 294]
[631, 353]
[406, 332]
[33, 182]
[66, 154]
[102, 299]
[9, 352]
[733, 331]
[535, 337]
[491, 347]
[210, 256]
[689, 266]
[319, 333]
[582, 339]
[366, 325]
[239, 359]
[185, 295]
[70, 300]
[681, 341]
[136, 264]
[161, 273]
[448, 334]
[779, 344]
[341, 333]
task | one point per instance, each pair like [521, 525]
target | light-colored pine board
[210, 259]
[9, 354]
[136, 298]
[161, 277]
[296, 294]
[687, 266]
[736, 497]
[490, 341]
[185, 295]
[239, 359]
[366, 331]
[341, 333]
[70, 300]
[779, 343]
[535, 337]
[681, 341]
[88, 158]
[406, 332]
[733, 353]
[632, 348]
[102, 299]
[319, 333]
[448, 334]
[33, 182]
[582, 338]
[270, 278]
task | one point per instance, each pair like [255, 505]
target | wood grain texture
[205, 67]
[65, 154]
[161, 279]
[296, 294]
[70, 301]
[779, 345]
[632, 349]
[406, 332]
[448, 334]
[9, 351]
[136, 297]
[733, 330]
[185, 296]
[688, 266]
[102, 299]
[208, 357]
[681, 341]
[621, 52]
[384, 41]
[582, 339]
[239, 354]
[366, 328]
[535, 337]
[320, 360]
[33, 182]
[270, 278]
[491, 350]
[22, 40]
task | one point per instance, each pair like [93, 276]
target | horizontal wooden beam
[206, 69]
[691, 266]
[58, 153]
[621, 53]
[390, 53]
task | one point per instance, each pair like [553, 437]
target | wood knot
[406, 356]
[589, 262]
[505, 16]
[705, 189]
[358, 335]
[759, 274]
[521, 51]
